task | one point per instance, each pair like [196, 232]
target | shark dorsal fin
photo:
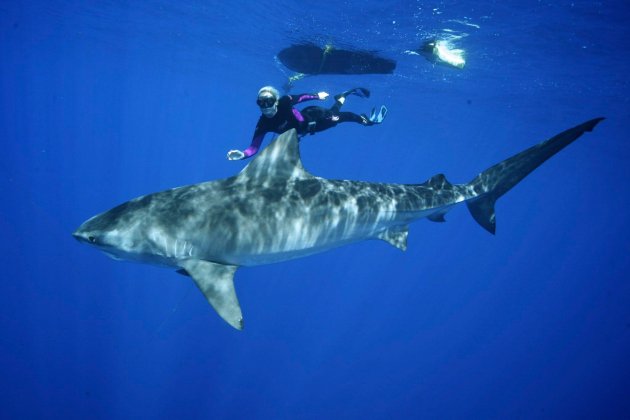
[281, 159]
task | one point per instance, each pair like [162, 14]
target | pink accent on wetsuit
[253, 148]
[306, 98]
[298, 115]
[257, 140]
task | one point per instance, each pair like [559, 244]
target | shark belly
[307, 230]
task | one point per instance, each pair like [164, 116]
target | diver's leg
[362, 92]
[341, 98]
[352, 117]
[318, 119]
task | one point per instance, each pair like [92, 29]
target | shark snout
[84, 237]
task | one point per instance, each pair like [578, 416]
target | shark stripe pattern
[274, 210]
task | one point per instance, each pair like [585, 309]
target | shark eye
[92, 239]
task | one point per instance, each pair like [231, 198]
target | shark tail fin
[488, 186]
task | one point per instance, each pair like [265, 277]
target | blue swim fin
[377, 118]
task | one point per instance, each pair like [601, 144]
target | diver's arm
[259, 135]
[254, 146]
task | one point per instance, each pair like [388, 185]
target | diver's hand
[235, 155]
[322, 95]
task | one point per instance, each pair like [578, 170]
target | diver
[442, 52]
[279, 115]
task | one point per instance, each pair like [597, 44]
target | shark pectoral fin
[216, 282]
[396, 236]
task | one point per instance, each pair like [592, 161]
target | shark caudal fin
[492, 183]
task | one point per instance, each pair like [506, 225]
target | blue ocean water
[101, 102]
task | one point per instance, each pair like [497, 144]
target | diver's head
[268, 101]
[429, 46]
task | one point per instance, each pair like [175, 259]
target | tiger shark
[275, 210]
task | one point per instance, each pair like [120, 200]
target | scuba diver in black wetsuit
[279, 115]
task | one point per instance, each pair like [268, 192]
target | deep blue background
[101, 102]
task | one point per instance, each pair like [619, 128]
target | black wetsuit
[310, 120]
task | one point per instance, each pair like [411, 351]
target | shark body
[274, 210]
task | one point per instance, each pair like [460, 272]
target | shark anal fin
[437, 217]
[216, 282]
[396, 236]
